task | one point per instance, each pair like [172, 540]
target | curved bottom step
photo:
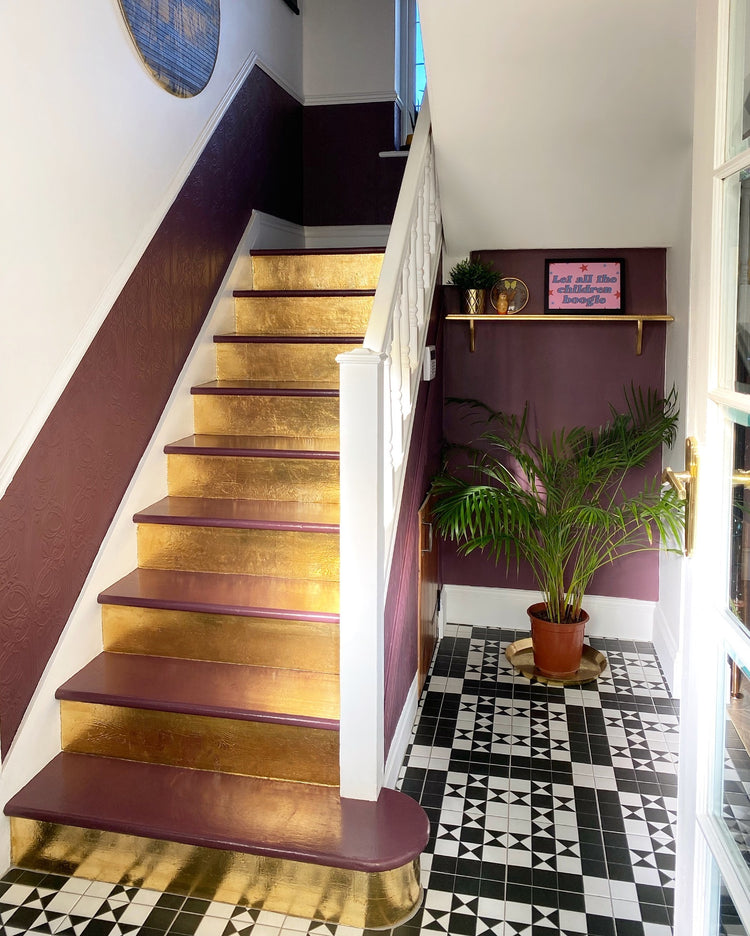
[293, 848]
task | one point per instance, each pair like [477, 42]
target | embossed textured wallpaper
[59, 505]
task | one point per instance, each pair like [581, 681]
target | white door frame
[710, 630]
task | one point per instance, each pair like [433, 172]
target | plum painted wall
[345, 180]
[569, 373]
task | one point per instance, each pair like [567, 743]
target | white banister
[379, 389]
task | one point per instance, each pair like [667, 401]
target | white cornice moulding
[60, 379]
[363, 97]
[624, 618]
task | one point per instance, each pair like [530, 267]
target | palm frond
[560, 503]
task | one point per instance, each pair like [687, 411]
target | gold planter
[473, 301]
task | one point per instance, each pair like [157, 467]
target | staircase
[200, 750]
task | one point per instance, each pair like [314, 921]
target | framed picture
[292, 4]
[584, 287]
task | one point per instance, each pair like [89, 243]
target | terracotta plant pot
[557, 647]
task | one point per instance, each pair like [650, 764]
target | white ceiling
[561, 123]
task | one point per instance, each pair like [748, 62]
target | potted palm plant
[562, 504]
[475, 279]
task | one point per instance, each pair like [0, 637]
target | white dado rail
[379, 385]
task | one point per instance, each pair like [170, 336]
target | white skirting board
[626, 618]
[347, 235]
[276, 234]
[668, 650]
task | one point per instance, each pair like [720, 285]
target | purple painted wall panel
[401, 605]
[569, 372]
[346, 182]
[63, 497]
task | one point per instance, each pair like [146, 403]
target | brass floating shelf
[638, 319]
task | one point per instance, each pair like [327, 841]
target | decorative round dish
[521, 655]
[509, 295]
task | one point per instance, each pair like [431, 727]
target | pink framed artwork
[584, 287]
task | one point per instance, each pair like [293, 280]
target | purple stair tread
[225, 593]
[301, 293]
[235, 338]
[294, 821]
[286, 388]
[314, 251]
[198, 687]
[256, 446]
[244, 514]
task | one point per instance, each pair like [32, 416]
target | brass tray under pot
[520, 654]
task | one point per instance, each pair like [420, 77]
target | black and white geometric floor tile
[552, 812]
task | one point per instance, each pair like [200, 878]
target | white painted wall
[560, 124]
[350, 51]
[93, 152]
[569, 124]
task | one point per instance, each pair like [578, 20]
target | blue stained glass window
[420, 75]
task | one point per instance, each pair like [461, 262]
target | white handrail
[379, 386]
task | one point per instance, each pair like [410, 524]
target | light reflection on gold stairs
[200, 750]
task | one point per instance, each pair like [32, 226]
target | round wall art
[178, 40]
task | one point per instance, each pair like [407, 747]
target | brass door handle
[685, 483]
[678, 480]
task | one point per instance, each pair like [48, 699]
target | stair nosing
[181, 447]
[218, 388]
[236, 338]
[159, 515]
[110, 597]
[68, 692]
[302, 293]
[313, 251]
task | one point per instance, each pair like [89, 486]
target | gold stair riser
[317, 271]
[222, 638]
[314, 481]
[272, 361]
[281, 554]
[302, 315]
[230, 414]
[203, 742]
[352, 898]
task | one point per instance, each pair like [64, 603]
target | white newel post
[362, 569]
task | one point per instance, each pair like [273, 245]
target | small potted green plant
[562, 504]
[475, 279]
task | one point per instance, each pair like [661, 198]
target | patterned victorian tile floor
[552, 811]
